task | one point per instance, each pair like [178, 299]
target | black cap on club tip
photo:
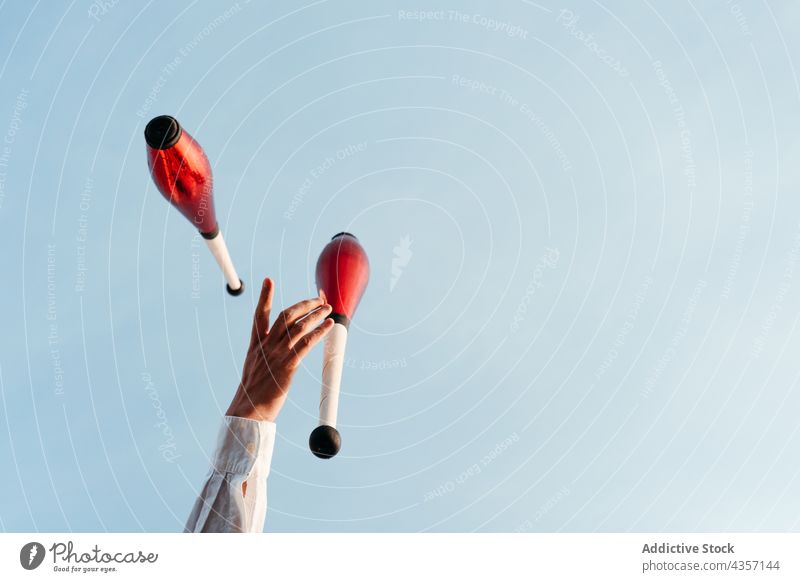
[162, 132]
[235, 292]
[343, 234]
[325, 441]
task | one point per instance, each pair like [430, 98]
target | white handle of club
[219, 249]
[332, 366]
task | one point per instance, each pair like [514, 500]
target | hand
[275, 353]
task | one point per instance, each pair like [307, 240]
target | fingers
[290, 315]
[303, 326]
[261, 317]
[309, 340]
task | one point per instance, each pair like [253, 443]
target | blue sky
[582, 221]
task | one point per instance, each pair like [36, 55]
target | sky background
[584, 231]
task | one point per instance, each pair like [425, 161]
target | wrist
[243, 407]
[253, 413]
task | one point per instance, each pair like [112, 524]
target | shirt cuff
[242, 443]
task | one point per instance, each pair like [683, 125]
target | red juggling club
[181, 172]
[342, 275]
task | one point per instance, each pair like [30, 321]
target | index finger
[290, 315]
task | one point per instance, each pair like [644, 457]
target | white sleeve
[243, 456]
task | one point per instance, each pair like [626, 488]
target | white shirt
[243, 456]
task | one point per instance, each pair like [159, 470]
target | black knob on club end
[325, 441]
[235, 292]
[162, 132]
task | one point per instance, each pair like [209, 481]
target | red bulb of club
[181, 171]
[342, 274]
